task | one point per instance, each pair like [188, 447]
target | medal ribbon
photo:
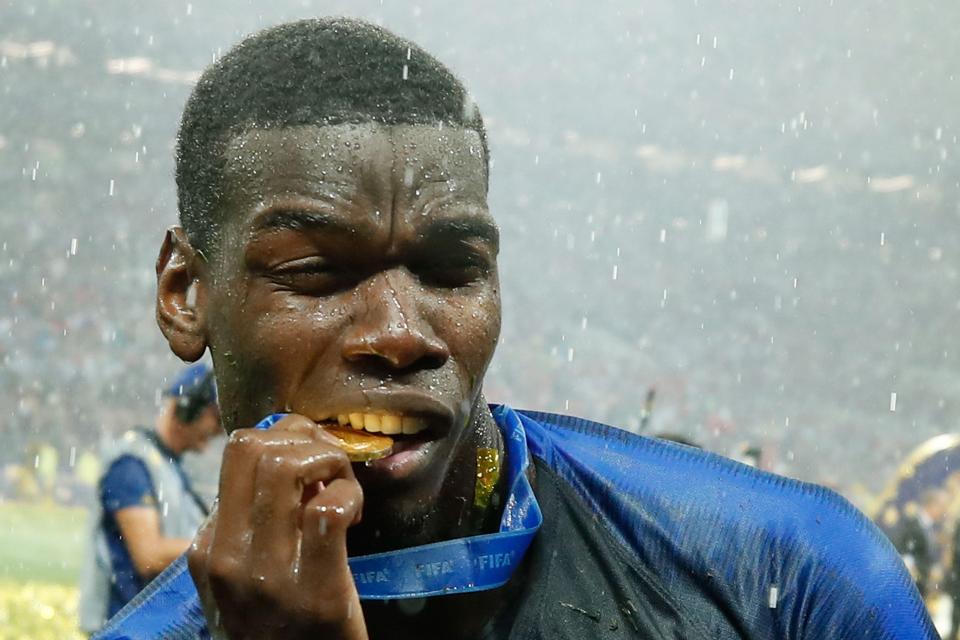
[474, 563]
[170, 606]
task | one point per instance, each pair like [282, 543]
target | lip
[409, 462]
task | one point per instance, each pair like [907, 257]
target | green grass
[41, 543]
[41, 547]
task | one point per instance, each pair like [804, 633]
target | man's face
[357, 274]
[202, 430]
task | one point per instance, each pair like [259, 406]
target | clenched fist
[271, 561]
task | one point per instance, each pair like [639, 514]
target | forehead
[372, 158]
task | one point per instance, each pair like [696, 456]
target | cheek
[473, 330]
[296, 335]
[270, 343]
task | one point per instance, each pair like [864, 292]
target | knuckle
[330, 443]
[196, 560]
[274, 463]
[270, 588]
[335, 515]
[223, 569]
[198, 548]
[205, 532]
[294, 421]
[354, 498]
[339, 458]
[244, 440]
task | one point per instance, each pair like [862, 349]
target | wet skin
[356, 270]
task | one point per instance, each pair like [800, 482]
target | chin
[389, 526]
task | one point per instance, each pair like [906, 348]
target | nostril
[431, 361]
[397, 351]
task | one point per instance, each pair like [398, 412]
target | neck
[478, 509]
[464, 615]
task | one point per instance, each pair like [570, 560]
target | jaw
[434, 506]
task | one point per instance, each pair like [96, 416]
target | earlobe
[181, 296]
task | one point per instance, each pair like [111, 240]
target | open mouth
[366, 436]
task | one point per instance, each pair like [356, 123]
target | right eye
[310, 276]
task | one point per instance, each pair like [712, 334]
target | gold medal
[488, 473]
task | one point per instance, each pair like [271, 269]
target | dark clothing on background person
[140, 471]
[126, 484]
[646, 539]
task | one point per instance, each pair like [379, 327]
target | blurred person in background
[916, 541]
[146, 509]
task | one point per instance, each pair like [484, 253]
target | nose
[390, 330]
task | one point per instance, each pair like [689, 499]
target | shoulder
[125, 468]
[667, 472]
[753, 539]
[126, 483]
[138, 443]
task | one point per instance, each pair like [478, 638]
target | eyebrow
[462, 228]
[443, 229]
[299, 220]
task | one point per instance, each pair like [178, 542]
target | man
[332, 183]
[146, 511]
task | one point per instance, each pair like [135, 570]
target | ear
[182, 295]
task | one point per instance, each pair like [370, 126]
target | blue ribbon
[475, 563]
[170, 606]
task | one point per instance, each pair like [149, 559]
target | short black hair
[313, 72]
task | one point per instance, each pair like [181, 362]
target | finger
[197, 557]
[295, 423]
[200, 549]
[282, 474]
[238, 469]
[323, 565]
[228, 553]
[301, 424]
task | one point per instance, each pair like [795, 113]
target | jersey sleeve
[126, 484]
[754, 555]
[849, 583]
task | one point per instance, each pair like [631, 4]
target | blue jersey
[650, 539]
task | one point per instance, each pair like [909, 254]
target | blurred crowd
[778, 269]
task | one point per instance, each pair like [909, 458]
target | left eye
[452, 275]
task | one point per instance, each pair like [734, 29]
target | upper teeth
[387, 423]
